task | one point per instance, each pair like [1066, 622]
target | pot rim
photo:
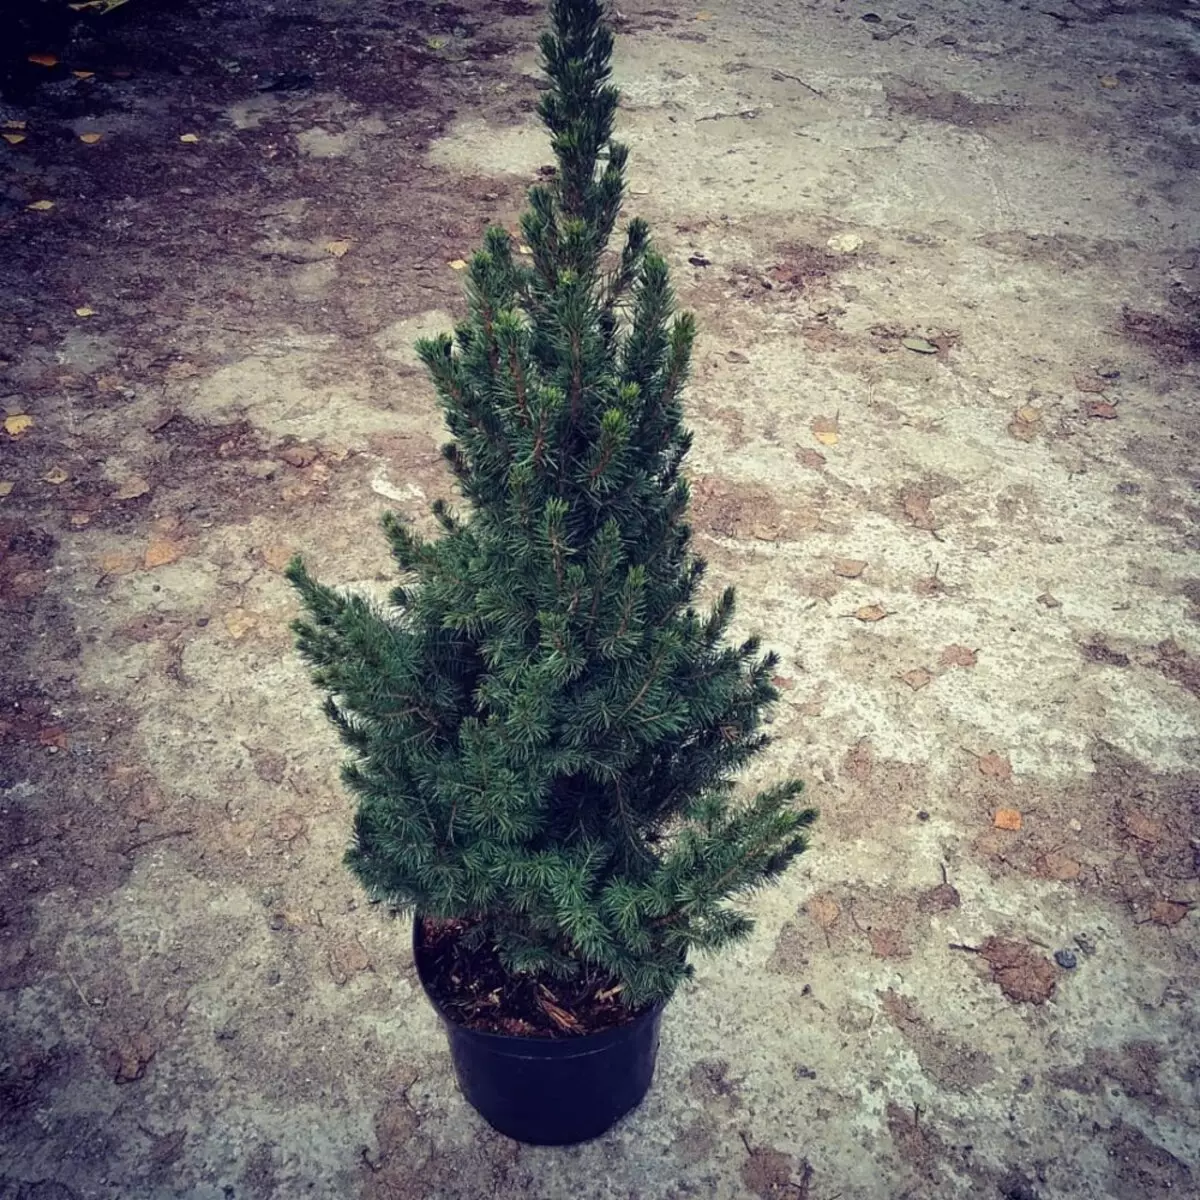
[585, 1044]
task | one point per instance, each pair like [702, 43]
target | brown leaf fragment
[161, 552]
[823, 909]
[849, 568]
[299, 456]
[871, 612]
[1022, 974]
[1059, 866]
[887, 943]
[287, 827]
[129, 1057]
[346, 959]
[929, 585]
[1092, 384]
[1007, 818]
[53, 735]
[995, 766]
[916, 509]
[917, 678]
[1168, 912]
[563, 1019]
[859, 763]
[1049, 601]
[958, 656]
[132, 488]
[939, 899]
[812, 459]
[1144, 828]
[1102, 410]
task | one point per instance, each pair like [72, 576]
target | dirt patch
[949, 107]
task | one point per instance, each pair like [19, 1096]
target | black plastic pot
[551, 1091]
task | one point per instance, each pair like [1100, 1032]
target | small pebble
[922, 815]
[1066, 959]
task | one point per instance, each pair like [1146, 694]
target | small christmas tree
[544, 730]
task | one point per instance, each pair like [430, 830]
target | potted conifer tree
[544, 729]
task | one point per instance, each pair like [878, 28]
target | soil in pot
[471, 988]
[545, 1062]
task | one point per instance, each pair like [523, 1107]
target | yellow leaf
[132, 488]
[160, 552]
[43, 60]
[90, 138]
[1028, 415]
[6, 486]
[190, 138]
[40, 206]
[117, 564]
[13, 139]
[339, 248]
[55, 475]
[435, 43]
[871, 612]
[1109, 81]
[239, 622]
[524, 249]
[84, 311]
[1007, 818]
[83, 74]
[14, 124]
[458, 264]
[825, 430]
[16, 425]
[278, 556]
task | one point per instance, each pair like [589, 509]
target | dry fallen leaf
[189, 138]
[79, 519]
[871, 612]
[849, 568]
[83, 74]
[1168, 912]
[277, 557]
[53, 735]
[1109, 81]
[1059, 866]
[1092, 383]
[17, 424]
[918, 344]
[995, 766]
[6, 487]
[887, 943]
[239, 622]
[958, 656]
[1007, 818]
[523, 249]
[15, 124]
[917, 678]
[1049, 601]
[1102, 410]
[129, 1057]
[13, 139]
[1144, 828]
[132, 488]
[299, 456]
[825, 430]
[339, 248]
[160, 552]
[90, 139]
[458, 264]
[118, 563]
[1025, 424]
[810, 458]
[347, 959]
[43, 60]
[1022, 974]
[40, 206]
[85, 311]
[916, 509]
[823, 909]
[55, 475]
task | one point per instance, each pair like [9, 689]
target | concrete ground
[945, 259]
